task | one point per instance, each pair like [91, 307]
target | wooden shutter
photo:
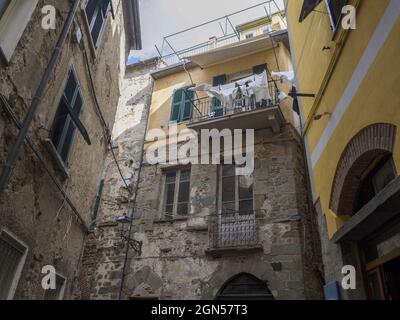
[176, 105]
[187, 105]
[308, 7]
[11, 254]
[259, 68]
[218, 81]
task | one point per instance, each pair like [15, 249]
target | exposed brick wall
[371, 142]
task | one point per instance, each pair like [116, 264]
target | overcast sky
[163, 17]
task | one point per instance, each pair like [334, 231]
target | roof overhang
[132, 24]
[172, 69]
[239, 49]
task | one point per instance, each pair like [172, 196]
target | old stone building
[68, 80]
[199, 231]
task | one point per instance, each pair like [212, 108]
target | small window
[374, 182]
[63, 129]
[11, 258]
[58, 292]
[236, 192]
[267, 29]
[182, 105]
[96, 13]
[249, 35]
[176, 193]
[335, 11]
[3, 6]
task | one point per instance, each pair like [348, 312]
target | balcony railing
[233, 231]
[210, 108]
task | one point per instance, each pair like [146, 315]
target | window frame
[61, 293]
[175, 215]
[237, 193]
[21, 263]
[61, 95]
[334, 27]
[88, 24]
[13, 23]
[181, 107]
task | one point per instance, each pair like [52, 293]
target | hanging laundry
[287, 76]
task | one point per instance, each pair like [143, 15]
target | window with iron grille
[63, 128]
[58, 292]
[96, 13]
[182, 105]
[235, 192]
[11, 257]
[176, 193]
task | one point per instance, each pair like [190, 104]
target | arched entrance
[367, 187]
[244, 286]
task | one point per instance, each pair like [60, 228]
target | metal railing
[233, 230]
[210, 108]
[183, 55]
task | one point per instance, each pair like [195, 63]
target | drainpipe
[15, 149]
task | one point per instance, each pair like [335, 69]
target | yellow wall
[377, 99]
[160, 109]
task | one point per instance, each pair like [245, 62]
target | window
[14, 17]
[335, 11]
[267, 29]
[374, 182]
[64, 126]
[182, 105]
[236, 192]
[249, 35]
[176, 193]
[58, 292]
[3, 6]
[96, 13]
[12, 255]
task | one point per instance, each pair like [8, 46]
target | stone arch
[369, 145]
[230, 268]
[244, 286]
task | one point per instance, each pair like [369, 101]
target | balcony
[244, 113]
[233, 232]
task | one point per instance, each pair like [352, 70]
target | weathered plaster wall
[31, 208]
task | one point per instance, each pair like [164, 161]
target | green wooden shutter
[259, 68]
[215, 103]
[176, 105]
[187, 105]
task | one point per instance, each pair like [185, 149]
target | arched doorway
[244, 286]
[367, 188]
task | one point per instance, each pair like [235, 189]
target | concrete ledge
[216, 252]
[374, 214]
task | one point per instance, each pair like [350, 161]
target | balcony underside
[256, 119]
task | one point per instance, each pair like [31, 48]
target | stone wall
[105, 254]
[31, 208]
[177, 261]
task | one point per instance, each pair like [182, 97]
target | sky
[160, 18]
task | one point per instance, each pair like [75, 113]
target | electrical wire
[106, 131]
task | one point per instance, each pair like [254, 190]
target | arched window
[244, 286]
[365, 168]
